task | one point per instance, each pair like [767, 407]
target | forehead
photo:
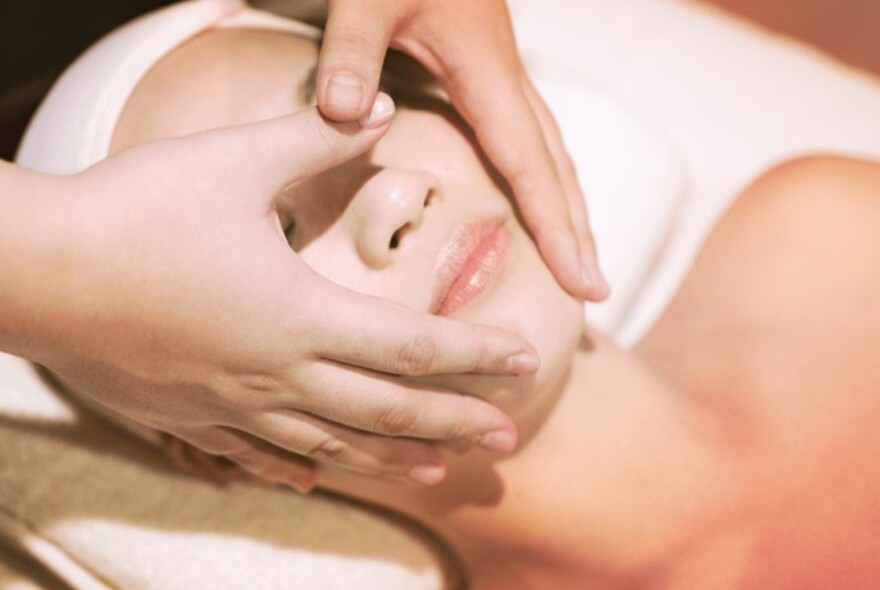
[216, 79]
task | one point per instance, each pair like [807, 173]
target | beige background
[848, 29]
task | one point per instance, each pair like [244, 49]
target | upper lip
[456, 253]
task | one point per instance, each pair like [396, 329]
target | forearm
[32, 259]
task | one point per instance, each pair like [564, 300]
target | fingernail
[428, 474]
[522, 363]
[383, 109]
[345, 91]
[501, 441]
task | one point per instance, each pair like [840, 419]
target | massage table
[670, 109]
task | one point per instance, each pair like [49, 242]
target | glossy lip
[469, 264]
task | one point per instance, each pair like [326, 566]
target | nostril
[397, 236]
[429, 197]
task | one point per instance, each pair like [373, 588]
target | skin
[469, 48]
[732, 448]
[147, 330]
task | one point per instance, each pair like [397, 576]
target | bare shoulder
[789, 271]
[825, 205]
[781, 315]
[805, 233]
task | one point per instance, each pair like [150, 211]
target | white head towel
[74, 125]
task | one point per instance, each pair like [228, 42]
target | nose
[387, 209]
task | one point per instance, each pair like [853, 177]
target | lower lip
[479, 273]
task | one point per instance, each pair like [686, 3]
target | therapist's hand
[469, 46]
[179, 303]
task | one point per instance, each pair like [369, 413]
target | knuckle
[460, 428]
[396, 420]
[259, 383]
[483, 357]
[330, 449]
[417, 356]
[471, 417]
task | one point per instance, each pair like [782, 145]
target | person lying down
[733, 447]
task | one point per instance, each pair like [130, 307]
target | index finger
[356, 38]
[385, 336]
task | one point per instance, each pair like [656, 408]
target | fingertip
[429, 475]
[566, 265]
[302, 482]
[507, 353]
[561, 251]
[380, 114]
[303, 487]
[598, 287]
[503, 440]
[523, 363]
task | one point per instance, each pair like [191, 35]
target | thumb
[269, 155]
[355, 40]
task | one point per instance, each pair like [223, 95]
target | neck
[601, 488]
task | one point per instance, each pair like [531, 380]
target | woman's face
[420, 219]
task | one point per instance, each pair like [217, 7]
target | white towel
[95, 505]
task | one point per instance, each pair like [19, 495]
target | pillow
[632, 179]
[732, 98]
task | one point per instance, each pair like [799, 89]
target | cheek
[533, 304]
[335, 257]
[529, 302]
